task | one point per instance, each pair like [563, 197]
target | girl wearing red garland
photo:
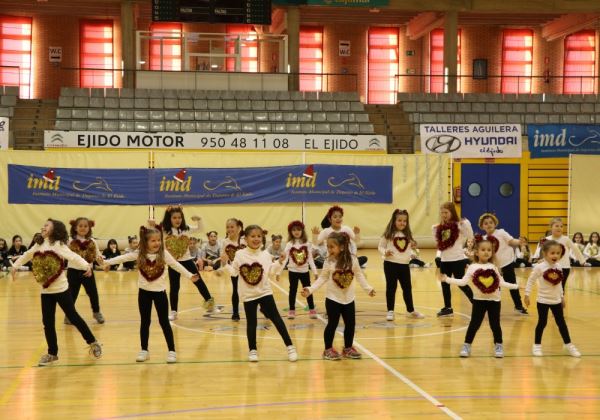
[450, 235]
[486, 280]
[549, 276]
[298, 255]
[395, 247]
[86, 247]
[48, 256]
[504, 245]
[152, 262]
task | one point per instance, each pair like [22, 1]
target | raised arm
[576, 252]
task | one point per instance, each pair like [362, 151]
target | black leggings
[566, 272]
[348, 314]
[480, 307]
[76, 279]
[508, 272]
[417, 261]
[393, 273]
[557, 311]
[269, 309]
[65, 301]
[174, 282]
[304, 279]
[145, 299]
[362, 260]
[457, 270]
[235, 298]
[520, 261]
[593, 262]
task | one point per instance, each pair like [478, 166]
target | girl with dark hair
[580, 243]
[592, 250]
[111, 251]
[16, 250]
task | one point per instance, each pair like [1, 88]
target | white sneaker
[292, 353]
[142, 356]
[253, 356]
[587, 264]
[499, 350]
[465, 351]
[171, 357]
[536, 350]
[416, 315]
[172, 315]
[427, 265]
[390, 316]
[572, 350]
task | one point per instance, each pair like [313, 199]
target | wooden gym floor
[410, 367]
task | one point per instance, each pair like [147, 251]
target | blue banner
[562, 140]
[279, 184]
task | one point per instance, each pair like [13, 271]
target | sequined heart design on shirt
[85, 249]
[230, 250]
[177, 245]
[343, 278]
[446, 233]
[401, 244]
[299, 255]
[47, 267]
[486, 280]
[252, 273]
[151, 270]
[553, 276]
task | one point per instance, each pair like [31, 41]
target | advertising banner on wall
[472, 140]
[3, 133]
[562, 140]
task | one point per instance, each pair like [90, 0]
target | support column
[451, 49]
[293, 32]
[128, 42]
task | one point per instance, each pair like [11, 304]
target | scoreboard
[256, 12]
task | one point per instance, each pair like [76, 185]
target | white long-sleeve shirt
[565, 261]
[470, 278]
[548, 293]
[183, 235]
[324, 234]
[399, 246]
[456, 252]
[160, 283]
[505, 253]
[253, 266]
[299, 257]
[87, 248]
[60, 284]
[592, 251]
[340, 283]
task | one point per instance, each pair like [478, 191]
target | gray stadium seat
[65, 102]
[203, 127]
[260, 116]
[229, 105]
[171, 103]
[125, 114]
[201, 115]
[186, 115]
[142, 126]
[95, 125]
[293, 128]
[200, 104]
[126, 126]
[234, 127]
[63, 113]
[81, 101]
[141, 115]
[126, 103]
[186, 104]
[188, 127]
[275, 116]
[248, 127]
[218, 127]
[157, 126]
[172, 115]
[173, 126]
[79, 113]
[156, 115]
[279, 128]
[79, 125]
[63, 124]
[217, 115]
[95, 114]
[110, 125]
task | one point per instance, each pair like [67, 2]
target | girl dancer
[48, 257]
[395, 247]
[233, 242]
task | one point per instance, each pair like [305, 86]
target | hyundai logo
[443, 143]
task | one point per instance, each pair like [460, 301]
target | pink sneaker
[351, 353]
[291, 314]
[331, 354]
[312, 314]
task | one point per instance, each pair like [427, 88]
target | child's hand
[315, 274]
[88, 273]
[195, 278]
[388, 253]
[196, 218]
[413, 244]
[281, 258]
[106, 267]
[526, 301]
[277, 276]
[305, 292]
[372, 293]
[315, 230]
[224, 258]
[442, 277]
[356, 230]
[563, 303]
[13, 273]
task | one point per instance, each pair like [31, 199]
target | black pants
[559, 317]
[65, 301]
[269, 309]
[575, 263]
[304, 279]
[362, 260]
[417, 261]
[566, 272]
[145, 299]
[77, 279]
[319, 263]
[175, 283]
[129, 265]
[393, 273]
[438, 262]
[348, 314]
[593, 262]
[508, 272]
[235, 298]
[520, 261]
[480, 307]
[457, 270]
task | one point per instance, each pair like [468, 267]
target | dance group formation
[61, 265]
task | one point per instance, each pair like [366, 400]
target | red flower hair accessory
[295, 223]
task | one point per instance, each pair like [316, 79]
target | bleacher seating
[8, 100]
[153, 110]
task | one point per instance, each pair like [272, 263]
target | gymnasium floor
[410, 367]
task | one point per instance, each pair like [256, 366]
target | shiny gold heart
[230, 250]
[446, 233]
[343, 278]
[177, 245]
[401, 244]
[252, 273]
[47, 267]
[486, 281]
[299, 255]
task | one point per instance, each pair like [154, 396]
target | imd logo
[307, 180]
[180, 182]
[49, 181]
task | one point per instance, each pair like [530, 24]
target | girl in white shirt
[233, 242]
[48, 262]
[580, 243]
[395, 247]
[254, 266]
[592, 250]
[486, 280]
[275, 248]
[450, 235]
[339, 271]
[153, 262]
[549, 275]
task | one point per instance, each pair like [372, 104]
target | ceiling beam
[423, 23]
[568, 24]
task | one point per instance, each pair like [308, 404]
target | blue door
[492, 188]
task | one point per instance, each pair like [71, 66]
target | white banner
[215, 141]
[3, 133]
[472, 140]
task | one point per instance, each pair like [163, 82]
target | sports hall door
[492, 188]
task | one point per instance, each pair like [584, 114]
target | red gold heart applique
[252, 273]
[150, 270]
[400, 244]
[47, 267]
[85, 249]
[230, 250]
[486, 280]
[553, 276]
[299, 255]
[177, 245]
[343, 278]
[446, 235]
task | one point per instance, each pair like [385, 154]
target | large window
[165, 46]
[96, 52]
[436, 62]
[382, 65]
[311, 58]
[580, 60]
[15, 53]
[248, 48]
[517, 60]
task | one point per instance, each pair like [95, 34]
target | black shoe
[235, 317]
[521, 311]
[445, 312]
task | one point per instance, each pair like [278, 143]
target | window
[436, 62]
[96, 52]
[15, 51]
[382, 65]
[517, 60]
[170, 56]
[311, 57]
[248, 48]
[580, 59]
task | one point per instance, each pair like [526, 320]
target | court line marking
[393, 371]
[16, 382]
